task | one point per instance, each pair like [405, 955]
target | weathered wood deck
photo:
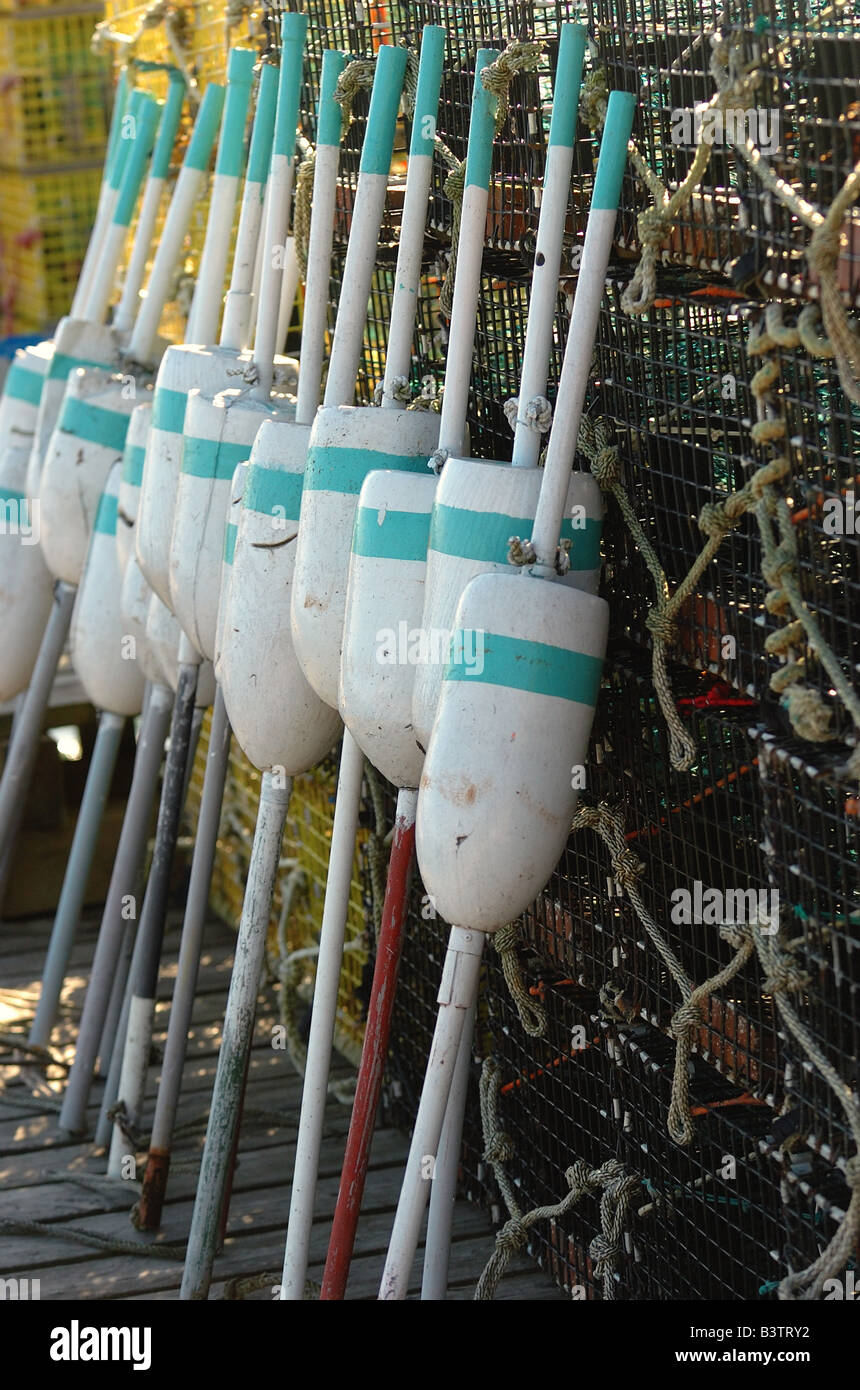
[42, 1176]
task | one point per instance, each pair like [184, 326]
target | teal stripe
[613, 151]
[212, 458]
[126, 138]
[147, 121]
[205, 128]
[269, 488]
[263, 132]
[168, 410]
[23, 384]
[384, 105]
[106, 515]
[568, 80]
[230, 542]
[294, 28]
[482, 125]
[19, 511]
[171, 112]
[401, 536]
[62, 364]
[344, 470]
[519, 664]
[120, 102]
[231, 145]
[93, 424]
[329, 114]
[484, 536]
[427, 91]
[132, 464]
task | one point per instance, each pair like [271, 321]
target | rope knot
[627, 867]
[661, 623]
[513, 1237]
[500, 1148]
[438, 459]
[537, 414]
[606, 467]
[715, 521]
[688, 1017]
[604, 1253]
[520, 552]
[785, 977]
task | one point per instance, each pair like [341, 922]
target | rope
[532, 1014]
[536, 416]
[628, 868]
[60, 1231]
[611, 1180]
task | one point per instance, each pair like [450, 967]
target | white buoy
[198, 363]
[28, 582]
[501, 777]
[104, 661]
[106, 664]
[344, 443]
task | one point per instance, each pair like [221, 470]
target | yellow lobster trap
[45, 221]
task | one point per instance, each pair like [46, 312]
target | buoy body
[134, 600]
[346, 443]
[22, 391]
[25, 581]
[131, 476]
[505, 759]
[218, 435]
[104, 658]
[76, 344]
[88, 439]
[183, 368]
[383, 639]
[479, 505]
[277, 718]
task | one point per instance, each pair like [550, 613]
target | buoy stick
[77, 873]
[117, 232]
[583, 326]
[144, 971]
[205, 308]
[367, 211]
[105, 205]
[23, 749]
[443, 1186]
[456, 997]
[192, 177]
[236, 322]
[196, 907]
[124, 879]
[171, 111]
[235, 1042]
[374, 1051]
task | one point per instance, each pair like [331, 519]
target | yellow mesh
[45, 222]
[307, 840]
[54, 92]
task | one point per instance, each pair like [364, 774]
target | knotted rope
[615, 1185]
[532, 1014]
